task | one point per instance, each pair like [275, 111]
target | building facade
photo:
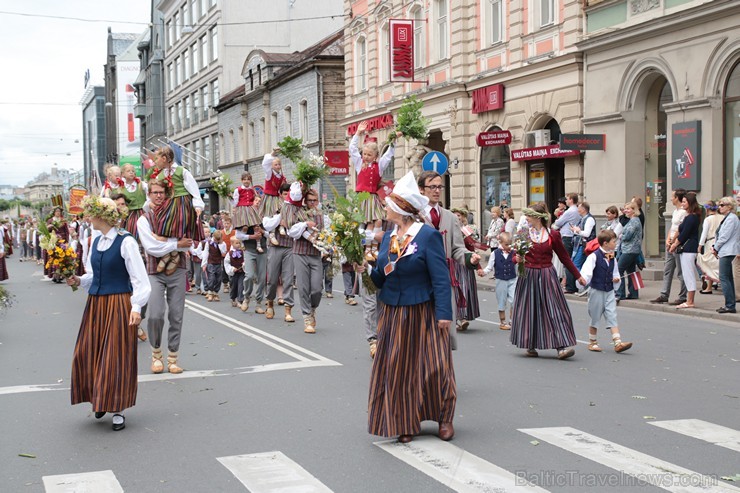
[482, 65]
[662, 81]
[93, 133]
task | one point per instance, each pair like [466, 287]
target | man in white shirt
[565, 224]
[672, 262]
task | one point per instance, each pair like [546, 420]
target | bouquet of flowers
[410, 122]
[349, 237]
[521, 243]
[310, 170]
[291, 148]
[221, 184]
[63, 260]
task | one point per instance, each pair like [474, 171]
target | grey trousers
[280, 266]
[672, 263]
[254, 275]
[369, 310]
[309, 280]
[168, 294]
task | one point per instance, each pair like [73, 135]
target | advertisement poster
[686, 155]
[128, 126]
[536, 183]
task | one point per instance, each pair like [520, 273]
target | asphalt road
[595, 423]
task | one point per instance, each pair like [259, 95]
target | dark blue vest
[603, 272]
[504, 268]
[109, 269]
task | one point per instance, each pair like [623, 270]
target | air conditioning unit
[537, 138]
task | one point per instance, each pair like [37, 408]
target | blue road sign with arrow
[435, 161]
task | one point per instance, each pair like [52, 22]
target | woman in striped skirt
[104, 370]
[542, 319]
[412, 379]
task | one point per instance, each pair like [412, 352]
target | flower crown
[103, 208]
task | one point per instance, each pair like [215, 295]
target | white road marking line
[86, 482]
[455, 468]
[703, 430]
[22, 389]
[644, 468]
[272, 472]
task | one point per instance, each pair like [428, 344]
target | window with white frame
[186, 65]
[170, 77]
[178, 71]
[303, 119]
[178, 113]
[195, 10]
[186, 19]
[214, 93]
[494, 25]
[274, 129]
[419, 36]
[205, 101]
[171, 114]
[361, 64]
[214, 44]
[204, 6]
[289, 121]
[216, 154]
[178, 26]
[196, 162]
[383, 54]
[212, 3]
[195, 62]
[544, 12]
[186, 104]
[170, 33]
[204, 51]
[441, 18]
[195, 98]
[207, 148]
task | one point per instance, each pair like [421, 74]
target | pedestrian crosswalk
[463, 472]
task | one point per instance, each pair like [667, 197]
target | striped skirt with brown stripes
[412, 379]
[104, 371]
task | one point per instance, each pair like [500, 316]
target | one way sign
[435, 161]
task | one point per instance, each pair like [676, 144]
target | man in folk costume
[430, 185]
[227, 233]
[279, 259]
[168, 287]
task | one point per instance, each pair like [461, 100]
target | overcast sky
[44, 62]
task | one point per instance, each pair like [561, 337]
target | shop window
[495, 166]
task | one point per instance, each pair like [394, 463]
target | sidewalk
[706, 304]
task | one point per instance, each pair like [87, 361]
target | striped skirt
[3, 269]
[177, 219]
[469, 307]
[246, 216]
[104, 371]
[541, 317]
[373, 208]
[412, 379]
[130, 223]
[270, 205]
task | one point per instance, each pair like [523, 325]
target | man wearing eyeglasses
[430, 185]
[168, 290]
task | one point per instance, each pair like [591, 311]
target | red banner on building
[493, 138]
[338, 162]
[488, 98]
[382, 121]
[401, 48]
[546, 152]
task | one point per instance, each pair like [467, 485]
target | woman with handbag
[686, 244]
[630, 250]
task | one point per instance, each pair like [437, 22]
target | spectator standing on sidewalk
[727, 248]
[671, 259]
[630, 249]
[686, 245]
[564, 225]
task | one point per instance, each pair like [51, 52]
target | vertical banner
[686, 155]
[401, 47]
[75, 200]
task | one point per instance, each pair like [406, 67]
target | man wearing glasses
[726, 248]
[279, 259]
[430, 185]
[168, 291]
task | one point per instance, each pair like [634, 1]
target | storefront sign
[686, 155]
[493, 138]
[401, 48]
[376, 123]
[546, 152]
[583, 142]
[488, 98]
[338, 162]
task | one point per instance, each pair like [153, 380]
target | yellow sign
[75, 200]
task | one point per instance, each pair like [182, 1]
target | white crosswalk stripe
[455, 468]
[703, 430]
[86, 482]
[644, 468]
[272, 472]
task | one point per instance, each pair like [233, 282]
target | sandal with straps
[157, 365]
[594, 346]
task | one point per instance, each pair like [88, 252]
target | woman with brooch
[412, 379]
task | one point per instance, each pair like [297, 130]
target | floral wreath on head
[533, 213]
[103, 208]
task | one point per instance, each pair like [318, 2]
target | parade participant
[542, 319]
[234, 266]
[672, 261]
[468, 306]
[104, 366]
[705, 260]
[369, 171]
[686, 245]
[58, 225]
[212, 264]
[3, 265]
[306, 257]
[601, 273]
[412, 378]
[564, 225]
[6, 237]
[227, 233]
[135, 192]
[255, 262]
[444, 221]
[35, 243]
[246, 203]
[727, 248]
[272, 201]
[168, 290]
[196, 253]
[503, 265]
[23, 236]
[280, 259]
[112, 179]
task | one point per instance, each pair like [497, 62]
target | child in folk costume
[3, 265]
[135, 192]
[234, 267]
[272, 201]
[112, 180]
[246, 204]
[602, 272]
[503, 265]
[211, 263]
[196, 253]
[369, 172]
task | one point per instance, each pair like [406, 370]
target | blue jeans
[627, 263]
[570, 281]
[726, 281]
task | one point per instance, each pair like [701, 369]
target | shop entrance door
[655, 197]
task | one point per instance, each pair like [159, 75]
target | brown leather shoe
[405, 438]
[446, 431]
[566, 353]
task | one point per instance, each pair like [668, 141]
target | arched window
[732, 132]
[360, 64]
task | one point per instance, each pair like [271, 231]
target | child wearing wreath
[272, 201]
[245, 202]
[135, 192]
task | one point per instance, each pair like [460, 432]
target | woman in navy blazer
[688, 239]
[412, 379]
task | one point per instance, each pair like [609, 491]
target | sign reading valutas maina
[493, 138]
[545, 152]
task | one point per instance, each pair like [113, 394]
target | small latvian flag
[636, 279]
